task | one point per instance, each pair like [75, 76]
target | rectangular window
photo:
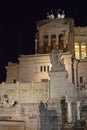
[44, 80]
[14, 81]
[47, 68]
[40, 68]
[44, 68]
[81, 79]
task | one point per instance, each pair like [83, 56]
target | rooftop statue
[60, 14]
[56, 60]
[51, 15]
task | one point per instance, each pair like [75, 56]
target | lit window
[77, 51]
[83, 50]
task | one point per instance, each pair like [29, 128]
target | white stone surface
[12, 72]
[57, 84]
[32, 70]
[12, 125]
[26, 92]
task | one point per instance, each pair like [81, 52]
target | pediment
[59, 23]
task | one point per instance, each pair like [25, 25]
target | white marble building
[51, 34]
[40, 88]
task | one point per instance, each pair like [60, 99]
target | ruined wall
[27, 102]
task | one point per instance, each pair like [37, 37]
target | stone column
[80, 55]
[36, 42]
[41, 44]
[49, 40]
[69, 111]
[78, 110]
[57, 40]
[86, 48]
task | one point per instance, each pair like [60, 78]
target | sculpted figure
[56, 60]
[55, 57]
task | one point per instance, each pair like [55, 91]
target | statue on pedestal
[56, 61]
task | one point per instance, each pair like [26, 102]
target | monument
[58, 89]
[58, 75]
[56, 60]
[42, 97]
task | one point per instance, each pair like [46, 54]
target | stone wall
[23, 102]
[12, 125]
[12, 72]
[80, 30]
[25, 92]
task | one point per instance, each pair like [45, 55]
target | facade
[44, 86]
[51, 34]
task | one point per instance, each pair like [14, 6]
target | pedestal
[57, 84]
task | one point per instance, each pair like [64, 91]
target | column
[57, 40]
[80, 54]
[86, 48]
[36, 42]
[78, 110]
[69, 111]
[41, 45]
[49, 40]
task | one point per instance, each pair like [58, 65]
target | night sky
[18, 25]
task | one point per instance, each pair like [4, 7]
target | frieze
[80, 31]
[80, 38]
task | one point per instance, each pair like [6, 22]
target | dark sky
[18, 23]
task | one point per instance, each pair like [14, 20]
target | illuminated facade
[80, 50]
[80, 42]
[45, 95]
[55, 34]
[52, 34]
